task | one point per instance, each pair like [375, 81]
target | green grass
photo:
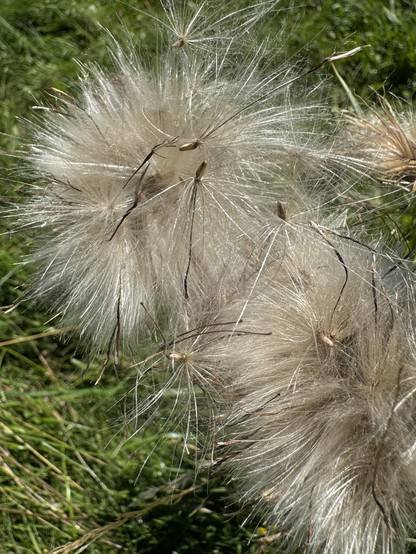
[67, 476]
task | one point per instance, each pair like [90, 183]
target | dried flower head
[386, 140]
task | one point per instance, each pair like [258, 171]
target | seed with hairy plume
[208, 25]
[180, 382]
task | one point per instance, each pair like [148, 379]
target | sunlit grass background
[68, 476]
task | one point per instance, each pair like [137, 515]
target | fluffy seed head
[154, 185]
[320, 424]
